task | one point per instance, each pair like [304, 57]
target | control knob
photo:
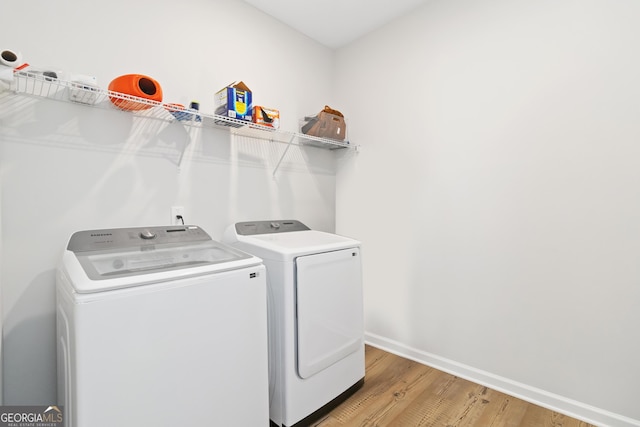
[147, 234]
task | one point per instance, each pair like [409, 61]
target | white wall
[497, 194]
[67, 167]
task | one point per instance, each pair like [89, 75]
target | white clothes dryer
[161, 326]
[316, 327]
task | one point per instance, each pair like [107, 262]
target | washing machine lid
[285, 240]
[99, 260]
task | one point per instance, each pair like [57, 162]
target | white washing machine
[162, 327]
[316, 331]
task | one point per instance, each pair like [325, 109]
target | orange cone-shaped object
[136, 85]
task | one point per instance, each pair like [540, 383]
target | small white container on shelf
[83, 89]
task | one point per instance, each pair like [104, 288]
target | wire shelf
[40, 85]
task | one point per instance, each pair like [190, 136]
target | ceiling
[335, 23]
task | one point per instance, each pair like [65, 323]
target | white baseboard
[560, 404]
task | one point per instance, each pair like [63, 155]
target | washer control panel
[93, 240]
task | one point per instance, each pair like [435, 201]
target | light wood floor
[402, 393]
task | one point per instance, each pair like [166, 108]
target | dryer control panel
[268, 227]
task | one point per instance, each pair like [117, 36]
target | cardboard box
[266, 117]
[234, 101]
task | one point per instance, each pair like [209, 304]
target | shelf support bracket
[284, 153]
[192, 131]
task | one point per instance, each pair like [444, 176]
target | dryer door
[330, 322]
